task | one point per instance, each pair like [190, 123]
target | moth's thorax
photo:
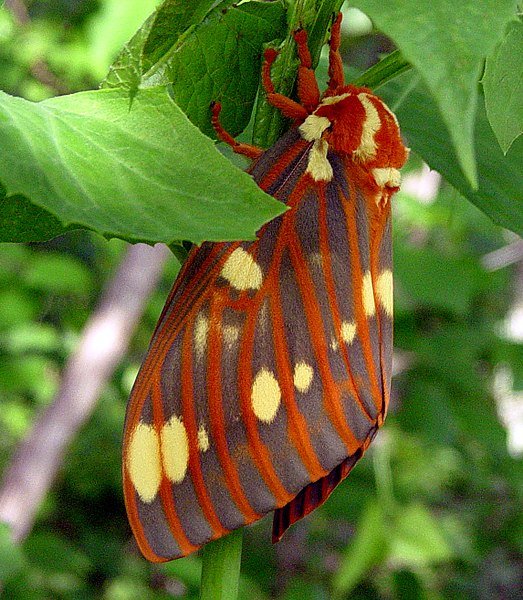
[355, 123]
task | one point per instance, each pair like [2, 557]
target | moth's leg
[336, 75]
[248, 150]
[288, 107]
[308, 90]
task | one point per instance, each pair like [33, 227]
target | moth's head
[355, 122]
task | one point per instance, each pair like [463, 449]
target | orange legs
[308, 91]
[336, 75]
[288, 107]
[247, 150]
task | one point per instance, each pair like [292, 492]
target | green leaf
[173, 18]
[503, 85]
[207, 55]
[221, 61]
[23, 221]
[141, 172]
[367, 549]
[154, 39]
[447, 43]
[416, 538]
[388, 68]
[12, 560]
[500, 177]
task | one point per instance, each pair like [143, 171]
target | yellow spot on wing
[263, 316]
[316, 259]
[303, 374]
[201, 329]
[231, 333]
[368, 295]
[203, 439]
[265, 396]
[143, 462]
[242, 271]
[385, 292]
[348, 331]
[175, 449]
[319, 166]
[367, 148]
[313, 127]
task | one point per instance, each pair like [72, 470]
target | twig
[39, 68]
[102, 345]
[18, 10]
[503, 257]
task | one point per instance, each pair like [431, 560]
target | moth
[269, 371]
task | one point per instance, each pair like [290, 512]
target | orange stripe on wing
[296, 422]
[331, 293]
[217, 420]
[194, 288]
[190, 300]
[332, 399]
[349, 207]
[165, 493]
[282, 163]
[134, 521]
[191, 426]
[259, 451]
[161, 345]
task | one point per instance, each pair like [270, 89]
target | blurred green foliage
[434, 509]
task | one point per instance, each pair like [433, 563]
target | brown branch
[18, 10]
[39, 69]
[102, 345]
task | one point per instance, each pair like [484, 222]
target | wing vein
[189, 419]
[297, 424]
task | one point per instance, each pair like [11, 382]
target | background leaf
[503, 85]
[112, 27]
[500, 178]
[416, 539]
[221, 60]
[154, 39]
[366, 549]
[447, 43]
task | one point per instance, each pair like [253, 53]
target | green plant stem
[379, 74]
[383, 475]
[221, 568]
